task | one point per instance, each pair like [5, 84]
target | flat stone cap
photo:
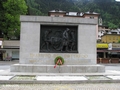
[48, 19]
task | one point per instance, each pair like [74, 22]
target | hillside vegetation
[10, 11]
[109, 9]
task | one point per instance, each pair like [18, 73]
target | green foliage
[112, 25]
[1, 16]
[118, 41]
[11, 14]
[33, 7]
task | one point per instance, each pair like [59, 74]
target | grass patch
[24, 77]
[97, 78]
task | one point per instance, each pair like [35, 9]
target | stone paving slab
[61, 78]
[5, 77]
[114, 77]
[1, 70]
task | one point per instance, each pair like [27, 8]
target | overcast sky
[118, 0]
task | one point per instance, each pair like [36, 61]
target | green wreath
[57, 58]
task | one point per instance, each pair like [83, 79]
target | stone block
[37, 68]
[58, 69]
[101, 68]
[78, 69]
[91, 69]
[51, 69]
[65, 69]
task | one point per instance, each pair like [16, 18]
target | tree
[11, 25]
[109, 9]
[33, 7]
[118, 41]
[112, 26]
[1, 16]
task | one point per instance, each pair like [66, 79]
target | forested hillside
[109, 9]
[10, 11]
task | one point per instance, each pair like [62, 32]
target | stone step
[59, 69]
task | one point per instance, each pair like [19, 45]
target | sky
[118, 0]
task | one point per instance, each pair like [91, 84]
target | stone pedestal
[32, 60]
[59, 69]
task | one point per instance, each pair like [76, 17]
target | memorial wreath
[58, 61]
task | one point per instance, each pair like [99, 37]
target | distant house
[102, 30]
[9, 49]
[60, 13]
[110, 38]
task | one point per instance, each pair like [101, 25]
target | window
[91, 17]
[56, 15]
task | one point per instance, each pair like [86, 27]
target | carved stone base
[59, 69]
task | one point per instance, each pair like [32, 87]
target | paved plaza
[112, 71]
[100, 86]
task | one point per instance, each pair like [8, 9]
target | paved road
[112, 68]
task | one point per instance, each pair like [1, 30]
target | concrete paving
[100, 86]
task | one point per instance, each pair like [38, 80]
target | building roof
[91, 13]
[74, 13]
[111, 34]
[11, 44]
[60, 11]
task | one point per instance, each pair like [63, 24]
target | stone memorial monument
[43, 38]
